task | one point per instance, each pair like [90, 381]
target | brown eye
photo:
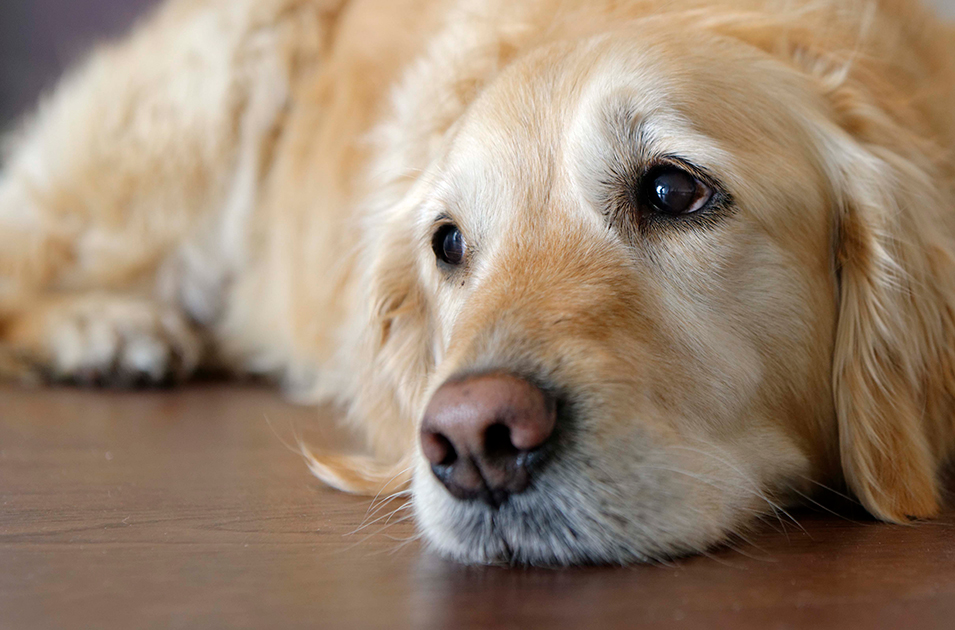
[448, 245]
[672, 191]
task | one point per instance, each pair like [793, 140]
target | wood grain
[187, 509]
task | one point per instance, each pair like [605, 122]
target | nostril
[450, 455]
[438, 449]
[497, 442]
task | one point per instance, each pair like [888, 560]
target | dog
[603, 281]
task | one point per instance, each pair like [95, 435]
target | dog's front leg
[124, 200]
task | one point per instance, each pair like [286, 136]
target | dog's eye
[448, 245]
[672, 191]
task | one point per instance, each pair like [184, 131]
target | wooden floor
[184, 509]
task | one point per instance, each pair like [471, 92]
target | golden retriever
[603, 280]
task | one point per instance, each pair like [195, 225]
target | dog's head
[658, 282]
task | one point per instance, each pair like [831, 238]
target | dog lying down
[602, 280]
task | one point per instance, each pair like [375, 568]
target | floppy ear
[399, 330]
[891, 366]
[390, 355]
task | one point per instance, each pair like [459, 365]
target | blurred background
[39, 38]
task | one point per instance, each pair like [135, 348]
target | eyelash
[625, 209]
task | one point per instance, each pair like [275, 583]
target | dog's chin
[524, 531]
[551, 525]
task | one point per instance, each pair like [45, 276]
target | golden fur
[253, 184]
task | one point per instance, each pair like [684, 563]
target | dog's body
[259, 185]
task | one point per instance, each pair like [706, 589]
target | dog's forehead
[565, 102]
[564, 117]
[513, 145]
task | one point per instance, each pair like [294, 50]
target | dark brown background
[184, 509]
[39, 38]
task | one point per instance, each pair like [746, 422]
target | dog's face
[637, 228]
[639, 236]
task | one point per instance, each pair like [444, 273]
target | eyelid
[703, 178]
[673, 161]
[439, 221]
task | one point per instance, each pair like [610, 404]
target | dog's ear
[391, 348]
[892, 369]
[891, 366]
[893, 373]
[398, 333]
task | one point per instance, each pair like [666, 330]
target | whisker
[754, 489]
[831, 489]
[378, 520]
[390, 497]
[378, 532]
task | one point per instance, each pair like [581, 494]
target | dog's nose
[484, 434]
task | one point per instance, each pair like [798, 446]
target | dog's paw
[121, 342]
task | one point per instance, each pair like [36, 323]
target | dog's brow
[443, 217]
